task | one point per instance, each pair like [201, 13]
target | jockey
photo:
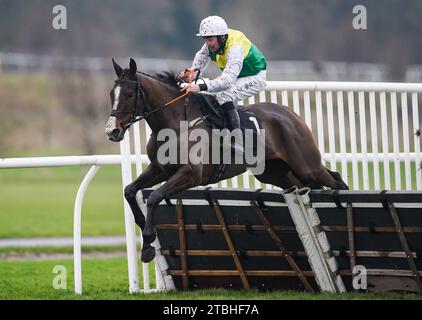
[243, 69]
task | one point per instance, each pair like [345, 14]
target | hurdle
[290, 240]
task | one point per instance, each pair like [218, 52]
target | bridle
[137, 114]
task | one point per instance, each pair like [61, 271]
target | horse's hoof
[150, 237]
[148, 254]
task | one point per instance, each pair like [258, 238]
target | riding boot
[232, 116]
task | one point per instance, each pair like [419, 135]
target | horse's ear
[118, 69]
[132, 67]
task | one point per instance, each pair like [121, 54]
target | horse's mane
[166, 77]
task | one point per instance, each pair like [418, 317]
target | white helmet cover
[212, 26]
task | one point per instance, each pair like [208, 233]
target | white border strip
[235, 203]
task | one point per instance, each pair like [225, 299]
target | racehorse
[291, 156]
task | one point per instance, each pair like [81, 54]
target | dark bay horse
[291, 156]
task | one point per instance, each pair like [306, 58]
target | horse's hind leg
[307, 166]
[341, 185]
[279, 174]
[325, 177]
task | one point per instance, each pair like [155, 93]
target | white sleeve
[202, 58]
[230, 72]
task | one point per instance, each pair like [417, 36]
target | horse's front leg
[182, 180]
[150, 177]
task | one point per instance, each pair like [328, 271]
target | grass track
[39, 202]
[107, 279]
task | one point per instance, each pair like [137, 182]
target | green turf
[39, 202]
[107, 279]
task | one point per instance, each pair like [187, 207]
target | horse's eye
[129, 94]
